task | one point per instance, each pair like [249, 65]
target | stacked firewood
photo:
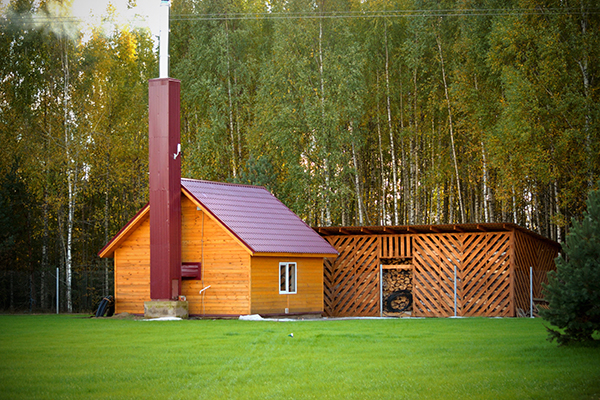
[397, 290]
[407, 261]
[395, 280]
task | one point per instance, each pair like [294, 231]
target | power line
[383, 14]
[340, 14]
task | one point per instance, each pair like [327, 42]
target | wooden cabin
[228, 249]
[242, 252]
[463, 270]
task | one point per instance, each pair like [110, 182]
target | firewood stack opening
[397, 286]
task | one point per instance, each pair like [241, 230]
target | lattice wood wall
[482, 267]
[351, 281]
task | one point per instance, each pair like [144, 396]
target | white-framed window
[287, 277]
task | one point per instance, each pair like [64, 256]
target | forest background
[351, 112]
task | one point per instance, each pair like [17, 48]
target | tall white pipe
[165, 7]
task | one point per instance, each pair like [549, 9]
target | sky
[144, 14]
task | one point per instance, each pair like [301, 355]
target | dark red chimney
[165, 188]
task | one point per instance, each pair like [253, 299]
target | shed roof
[256, 218]
[432, 229]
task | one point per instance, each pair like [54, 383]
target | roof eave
[108, 250]
[303, 255]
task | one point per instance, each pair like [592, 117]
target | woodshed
[463, 270]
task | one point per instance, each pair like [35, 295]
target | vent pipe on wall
[165, 8]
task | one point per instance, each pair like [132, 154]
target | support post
[531, 292]
[380, 290]
[57, 289]
[455, 290]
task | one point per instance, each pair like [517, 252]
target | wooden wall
[531, 253]
[132, 271]
[225, 265]
[265, 286]
[490, 268]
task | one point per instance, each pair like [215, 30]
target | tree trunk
[356, 178]
[485, 186]
[411, 180]
[389, 117]
[451, 127]
[106, 221]
[583, 66]
[45, 218]
[436, 191]
[237, 122]
[557, 211]
[451, 219]
[383, 214]
[230, 99]
[514, 204]
[71, 180]
[69, 256]
[323, 124]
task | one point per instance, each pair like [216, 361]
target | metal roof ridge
[225, 183]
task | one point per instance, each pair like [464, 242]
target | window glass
[282, 278]
[292, 278]
[287, 278]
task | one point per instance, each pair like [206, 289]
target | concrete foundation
[166, 308]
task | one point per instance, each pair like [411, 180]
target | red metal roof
[257, 218]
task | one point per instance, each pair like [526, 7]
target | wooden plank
[407, 266]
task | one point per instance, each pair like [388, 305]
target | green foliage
[258, 172]
[573, 290]
[16, 210]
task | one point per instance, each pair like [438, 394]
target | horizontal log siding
[132, 271]
[226, 266]
[265, 286]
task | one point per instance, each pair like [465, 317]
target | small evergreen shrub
[573, 290]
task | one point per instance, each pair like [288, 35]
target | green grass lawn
[73, 357]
